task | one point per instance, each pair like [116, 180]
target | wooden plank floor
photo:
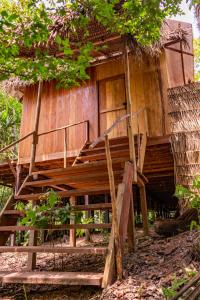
[64, 278]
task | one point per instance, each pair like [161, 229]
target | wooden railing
[35, 137]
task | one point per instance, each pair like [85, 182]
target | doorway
[112, 105]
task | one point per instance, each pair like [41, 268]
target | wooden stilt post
[114, 210]
[106, 213]
[35, 130]
[31, 264]
[72, 232]
[129, 110]
[143, 203]
[17, 180]
[13, 239]
[131, 226]
[88, 214]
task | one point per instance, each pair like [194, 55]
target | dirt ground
[147, 270]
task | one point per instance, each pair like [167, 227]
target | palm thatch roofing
[171, 32]
[184, 103]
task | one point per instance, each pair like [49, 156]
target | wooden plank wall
[62, 107]
[59, 108]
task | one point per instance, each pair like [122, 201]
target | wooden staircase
[101, 168]
[88, 177]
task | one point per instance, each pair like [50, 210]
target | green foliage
[10, 115]
[192, 196]
[171, 291]
[26, 25]
[194, 225]
[197, 59]
[83, 220]
[177, 283]
[5, 193]
[46, 213]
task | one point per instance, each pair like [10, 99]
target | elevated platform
[89, 174]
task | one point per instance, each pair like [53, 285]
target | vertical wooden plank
[13, 239]
[88, 214]
[110, 264]
[131, 226]
[17, 180]
[31, 263]
[114, 210]
[36, 126]
[72, 236]
[65, 148]
[143, 202]
[106, 213]
[129, 110]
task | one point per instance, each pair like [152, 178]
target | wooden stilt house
[108, 137]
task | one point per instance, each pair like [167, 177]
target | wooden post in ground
[13, 239]
[31, 264]
[35, 129]
[131, 226]
[106, 213]
[72, 232]
[87, 214]
[143, 203]
[114, 210]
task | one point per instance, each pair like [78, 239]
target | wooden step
[54, 249]
[124, 153]
[55, 227]
[79, 168]
[64, 278]
[67, 180]
[69, 193]
[13, 212]
[98, 206]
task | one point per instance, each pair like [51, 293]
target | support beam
[129, 110]
[87, 214]
[36, 127]
[31, 264]
[143, 203]
[131, 227]
[72, 234]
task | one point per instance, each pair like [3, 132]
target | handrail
[61, 128]
[16, 142]
[115, 123]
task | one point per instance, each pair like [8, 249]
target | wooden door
[112, 105]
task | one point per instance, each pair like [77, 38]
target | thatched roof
[171, 32]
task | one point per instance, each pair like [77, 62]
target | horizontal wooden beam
[55, 227]
[57, 249]
[71, 179]
[69, 193]
[99, 206]
[66, 278]
[78, 167]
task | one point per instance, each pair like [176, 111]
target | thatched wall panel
[184, 103]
